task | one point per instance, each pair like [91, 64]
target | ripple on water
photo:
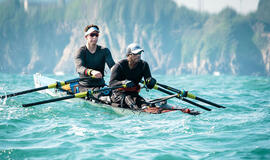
[78, 130]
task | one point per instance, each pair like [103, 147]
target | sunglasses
[94, 34]
[139, 53]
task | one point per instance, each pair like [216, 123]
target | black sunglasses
[94, 34]
[139, 53]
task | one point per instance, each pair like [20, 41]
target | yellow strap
[52, 85]
[55, 84]
[189, 95]
[80, 95]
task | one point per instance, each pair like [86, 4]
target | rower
[90, 61]
[129, 72]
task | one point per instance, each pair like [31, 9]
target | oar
[178, 96]
[54, 85]
[157, 100]
[169, 107]
[182, 98]
[77, 95]
[184, 110]
[189, 95]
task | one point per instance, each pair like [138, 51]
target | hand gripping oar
[189, 95]
[54, 85]
[78, 95]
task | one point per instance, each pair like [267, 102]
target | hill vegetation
[43, 36]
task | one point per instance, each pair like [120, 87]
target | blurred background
[199, 37]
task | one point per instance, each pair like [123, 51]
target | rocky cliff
[42, 37]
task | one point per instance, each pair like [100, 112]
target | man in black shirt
[130, 72]
[90, 60]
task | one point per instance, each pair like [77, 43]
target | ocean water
[77, 130]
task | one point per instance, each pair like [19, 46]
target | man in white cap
[130, 72]
[90, 60]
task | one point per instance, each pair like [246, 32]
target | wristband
[88, 71]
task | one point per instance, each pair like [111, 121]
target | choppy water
[78, 130]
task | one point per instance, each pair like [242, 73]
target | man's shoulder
[103, 48]
[121, 63]
[82, 48]
[143, 62]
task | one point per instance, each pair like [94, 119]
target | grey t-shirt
[85, 60]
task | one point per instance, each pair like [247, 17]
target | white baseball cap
[134, 48]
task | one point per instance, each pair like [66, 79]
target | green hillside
[177, 40]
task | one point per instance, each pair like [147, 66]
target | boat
[158, 106]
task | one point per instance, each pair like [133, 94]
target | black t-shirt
[121, 71]
[86, 60]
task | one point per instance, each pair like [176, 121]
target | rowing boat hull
[40, 80]
[160, 107]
